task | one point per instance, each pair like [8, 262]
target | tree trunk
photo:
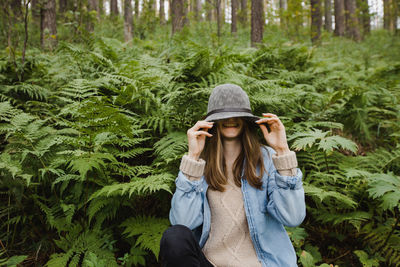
[101, 8]
[328, 15]
[197, 10]
[177, 15]
[16, 8]
[257, 22]
[128, 20]
[48, 28]
[218, 10]
[136, 9]
[62, 8]
[316, 20]
[114, 8]
[390, 13]
[35, 9]
[365, 18]
[93, 6]
[339, 18]
[352, 24]
[162, 12]
[233, 16]
[209, 9]
[243, 13]
[282, 8]
[386, 14]
[222, 11]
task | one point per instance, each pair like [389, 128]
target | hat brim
[226, 115]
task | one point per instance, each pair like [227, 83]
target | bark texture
[128, 21]
[328, 15]
[177, 13]
[234, 16]
[48, 28]
[114, 8]
[339, 18]
[162, 12]
[353, 28]
[243, 17]
[316, 20]
[257, 22]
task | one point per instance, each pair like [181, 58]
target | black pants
[178, 247]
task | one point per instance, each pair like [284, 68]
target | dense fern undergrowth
[92, 135]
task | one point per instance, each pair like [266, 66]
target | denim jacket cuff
[289, 182]
[186, 185]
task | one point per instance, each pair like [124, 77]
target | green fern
[149, 231]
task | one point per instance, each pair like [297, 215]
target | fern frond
[149, 231]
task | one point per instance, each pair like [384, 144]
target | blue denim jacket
[280, 202]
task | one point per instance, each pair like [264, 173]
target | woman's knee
[175, 234]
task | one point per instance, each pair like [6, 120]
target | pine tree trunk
[243, 13]
[136, 9]
[48, 28]
[316, 20]
[366, 18]
[257, 22]
[177, 15]
[209, 9]
[162, 12]
[128, 20]
[114, 8]
[353, 25]
[62, 8]
[101, 8]
[386, 14]
[197, 10]
[234, 16]
[339, 18]
[93, 6]
[35, 9]
[218, 10]
[16, 8]
[328, 15]
[282, 8]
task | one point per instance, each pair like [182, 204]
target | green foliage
[92, 136]
[149, 231]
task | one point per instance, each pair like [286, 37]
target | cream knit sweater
[229, 243]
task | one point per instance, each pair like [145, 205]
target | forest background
[95, 104]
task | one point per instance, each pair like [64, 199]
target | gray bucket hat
[227, 101]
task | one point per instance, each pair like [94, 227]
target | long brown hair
[215, 169]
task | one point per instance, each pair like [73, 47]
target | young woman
[234, 195]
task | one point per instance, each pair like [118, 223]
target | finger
[269, 114]
[202, 124]
[197, 133]
[267, 120]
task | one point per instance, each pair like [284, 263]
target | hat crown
[228, 96]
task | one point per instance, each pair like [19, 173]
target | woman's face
[230, 128]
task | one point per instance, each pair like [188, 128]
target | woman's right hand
[197, 138]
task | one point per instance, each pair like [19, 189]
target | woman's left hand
[277, 137]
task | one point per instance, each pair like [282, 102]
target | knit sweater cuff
[285, 162]
[190, 167]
